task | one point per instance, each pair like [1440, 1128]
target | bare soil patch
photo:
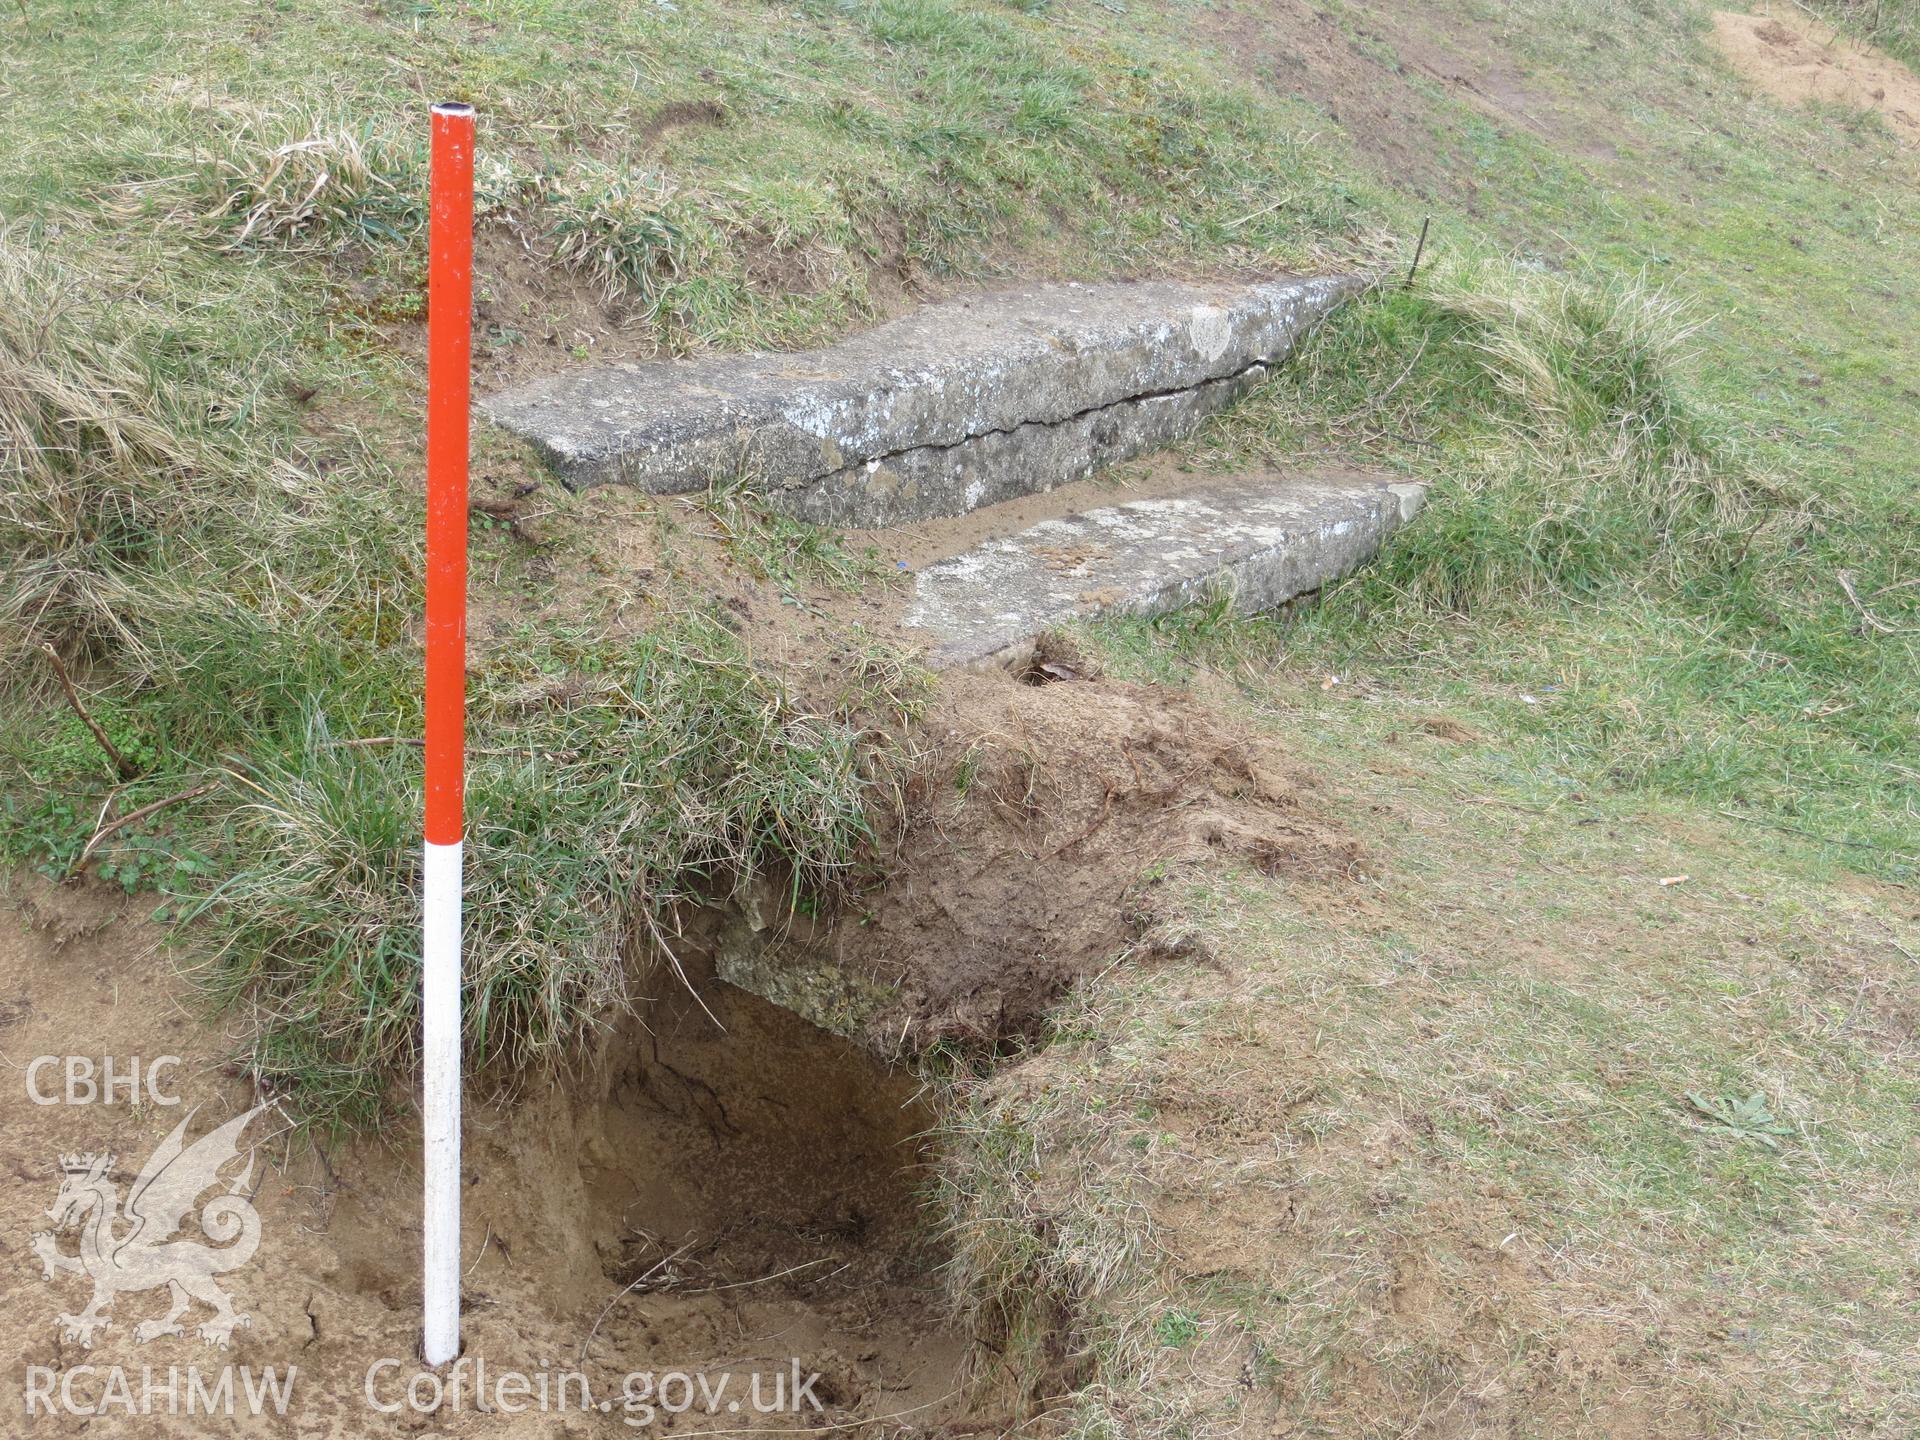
[1794, 58]
[1368, 80]
[1039, 838]
[690, 1198]
[1292, 47]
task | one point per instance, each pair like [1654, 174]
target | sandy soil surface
[1037, 837]
[1795, 58]
[686, 1202]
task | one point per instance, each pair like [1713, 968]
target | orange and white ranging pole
[449, 359]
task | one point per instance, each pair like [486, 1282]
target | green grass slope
[211, 283]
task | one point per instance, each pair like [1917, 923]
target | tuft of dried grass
[307, 179]
[92, 468]
[624, 230]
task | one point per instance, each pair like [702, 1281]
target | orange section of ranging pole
[449, 337]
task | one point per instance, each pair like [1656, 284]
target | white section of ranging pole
[440, 1103]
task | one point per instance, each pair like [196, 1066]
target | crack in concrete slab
[853, 496]
[957, 405]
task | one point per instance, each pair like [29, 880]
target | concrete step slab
[1268, 537]
[955, 406]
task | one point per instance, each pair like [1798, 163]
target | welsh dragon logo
[135, 1249]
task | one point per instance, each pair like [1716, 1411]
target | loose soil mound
[1054, 806]
[1796, 59]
